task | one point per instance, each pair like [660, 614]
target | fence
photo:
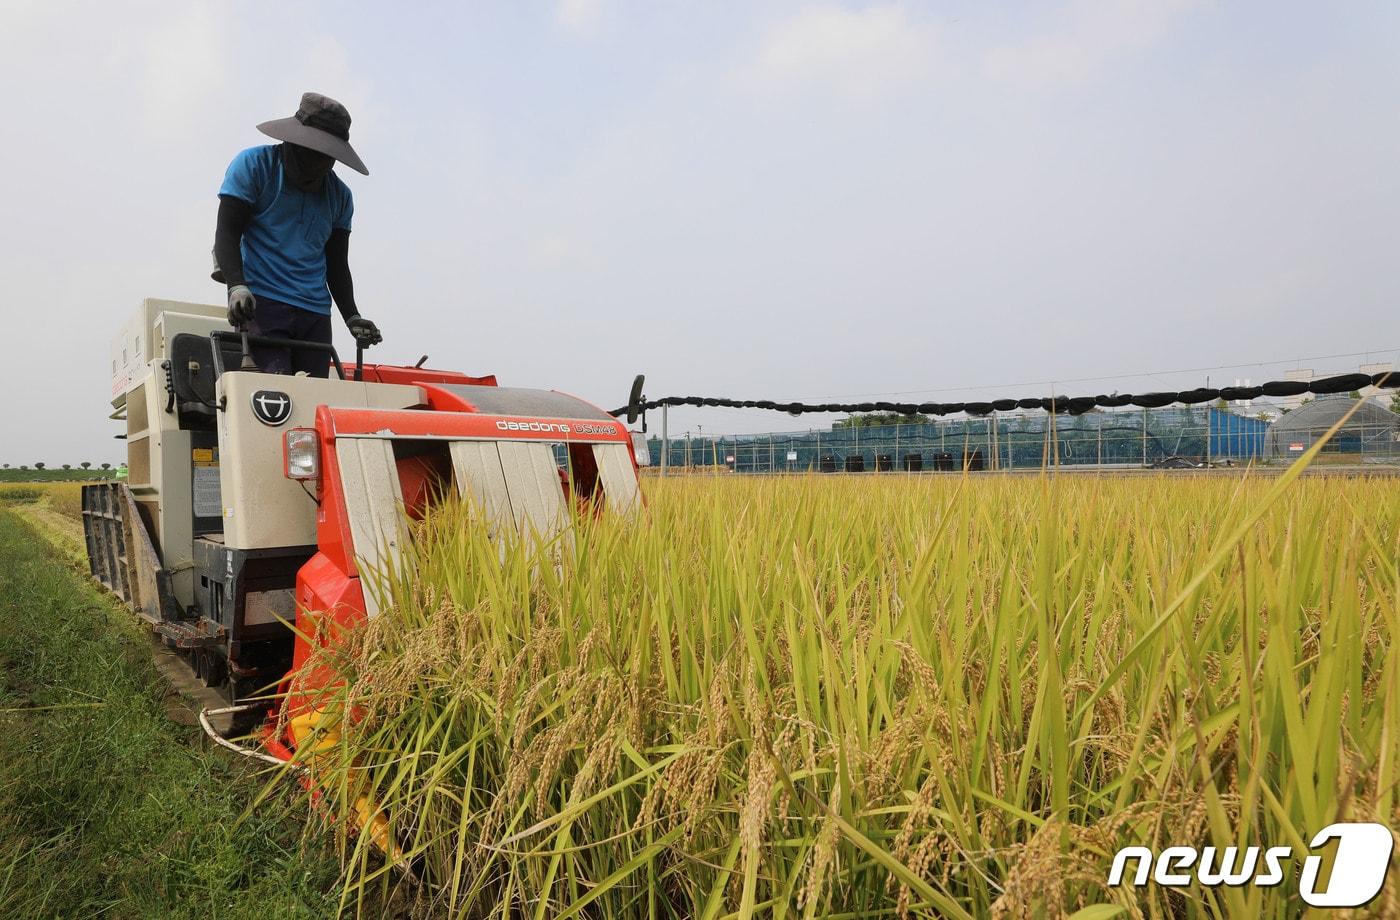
[1141, 437]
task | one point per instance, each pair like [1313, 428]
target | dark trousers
[283, 321]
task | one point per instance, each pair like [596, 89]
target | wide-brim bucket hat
[321, 124]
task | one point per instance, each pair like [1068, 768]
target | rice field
[892, 696]
[63, 498]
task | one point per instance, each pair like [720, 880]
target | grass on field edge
[106, 805]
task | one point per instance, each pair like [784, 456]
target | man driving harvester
[282, 242]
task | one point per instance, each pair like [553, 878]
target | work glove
[242, 306]
[364, 330]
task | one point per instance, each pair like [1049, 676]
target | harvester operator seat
[192, 374]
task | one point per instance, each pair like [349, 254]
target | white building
[1376, 395]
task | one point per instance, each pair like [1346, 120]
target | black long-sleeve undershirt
[338, 280]
[234, 216]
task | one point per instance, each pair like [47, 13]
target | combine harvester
[256, 501]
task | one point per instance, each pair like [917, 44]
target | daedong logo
[1358, 866]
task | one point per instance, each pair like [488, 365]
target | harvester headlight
[301, 451]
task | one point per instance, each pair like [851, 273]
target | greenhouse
[1130, 438]
[1371, 431]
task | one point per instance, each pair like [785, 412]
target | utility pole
[665, 441]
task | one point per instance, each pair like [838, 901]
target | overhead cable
[1071, 405]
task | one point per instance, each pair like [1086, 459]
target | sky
[762, 200]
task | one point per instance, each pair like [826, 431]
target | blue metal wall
[1236, 436]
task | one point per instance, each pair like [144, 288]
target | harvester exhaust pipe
[635, 399]
[635, 404]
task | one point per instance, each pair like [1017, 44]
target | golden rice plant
[65, 498]
[907, 696]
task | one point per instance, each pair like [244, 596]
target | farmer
[283, 237]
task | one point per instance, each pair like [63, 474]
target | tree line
[85, 465]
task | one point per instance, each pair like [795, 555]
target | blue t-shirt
[284, 246]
